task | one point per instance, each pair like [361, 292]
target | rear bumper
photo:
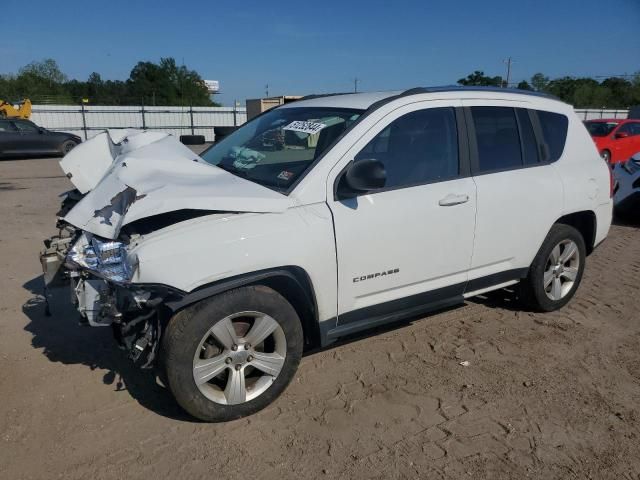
[604, 217]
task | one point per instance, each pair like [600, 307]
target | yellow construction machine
[9, 110]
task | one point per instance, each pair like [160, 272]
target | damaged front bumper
[102, 295]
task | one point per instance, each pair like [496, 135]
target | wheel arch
[292, 282]
[585, 222]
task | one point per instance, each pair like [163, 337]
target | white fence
[593, 113]
[88, 121]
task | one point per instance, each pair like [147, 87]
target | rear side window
[497, 138]
[5, 126]
[554, 130]
[417, 148]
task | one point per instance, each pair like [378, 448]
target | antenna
[355, 84]
[266, 90]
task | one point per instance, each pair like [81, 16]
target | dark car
[626, 198]
[23, 138]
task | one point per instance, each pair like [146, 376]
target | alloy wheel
[239, 358]
[561, 270]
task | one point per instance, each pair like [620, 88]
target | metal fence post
[235, 113]
[84, 121]
[191, 115]
[144, 123]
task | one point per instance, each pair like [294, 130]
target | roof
[364, 101]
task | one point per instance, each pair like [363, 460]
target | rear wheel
[67, 146]
[234, 354]
[556, 270]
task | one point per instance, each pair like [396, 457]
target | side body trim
[401, 309]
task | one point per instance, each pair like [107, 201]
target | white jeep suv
[319, 219]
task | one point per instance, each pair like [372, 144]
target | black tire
[188, 327]
[67, 146]
[192, 139]
[532, 289]
[606, 155]
[221, 132]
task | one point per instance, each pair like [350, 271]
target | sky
[304, 47]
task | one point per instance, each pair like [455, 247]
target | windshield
[600, 129]
[279, 146]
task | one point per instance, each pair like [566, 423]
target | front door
[627, 146]
[30, 139]
[408, 245]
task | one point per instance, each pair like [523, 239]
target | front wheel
[234, 354]
[556, 270]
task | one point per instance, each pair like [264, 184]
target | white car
[319, 219]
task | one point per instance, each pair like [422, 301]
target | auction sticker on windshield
[305, 127]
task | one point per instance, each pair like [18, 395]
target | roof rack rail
[466, 88]
[322, 95]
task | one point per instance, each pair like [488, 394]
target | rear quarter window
[554, 130]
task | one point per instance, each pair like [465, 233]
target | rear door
[408, 245]
[9, 137]
[519, 193]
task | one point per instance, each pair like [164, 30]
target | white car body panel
[210, 248]
[157, 175]
[499, 228]
[585, 177]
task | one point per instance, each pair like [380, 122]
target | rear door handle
[452, 199]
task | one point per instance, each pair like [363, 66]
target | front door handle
[452, 199]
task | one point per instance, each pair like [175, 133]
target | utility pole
[355, 85]
[508, 62]
[266, 90]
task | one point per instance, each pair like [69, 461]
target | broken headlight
[106, 258]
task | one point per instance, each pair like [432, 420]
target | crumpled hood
[149, 173]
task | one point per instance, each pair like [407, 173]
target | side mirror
[622, 135]
[365, 176]
[41, 130]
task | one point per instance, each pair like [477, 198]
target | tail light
[612, 182]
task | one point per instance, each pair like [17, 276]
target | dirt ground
[544, 396]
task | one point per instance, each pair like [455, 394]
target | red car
[617, 139]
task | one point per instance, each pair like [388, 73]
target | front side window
[278, 147]
[497, 138]
[26, 127]
[419, 147]
[626, 128]
[630, 129]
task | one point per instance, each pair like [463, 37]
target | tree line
[163, 83]
[166, 83]
[581, 92]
